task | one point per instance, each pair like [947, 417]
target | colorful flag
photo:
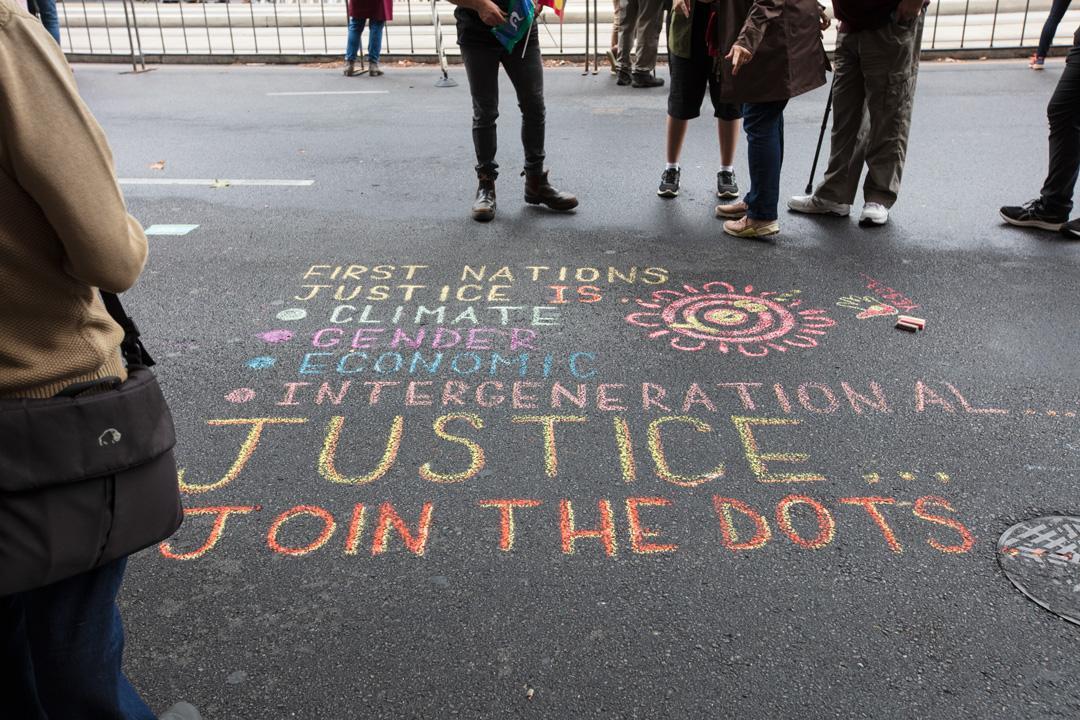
[519, 20]
[556, 5]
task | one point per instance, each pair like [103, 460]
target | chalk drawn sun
[719, 316]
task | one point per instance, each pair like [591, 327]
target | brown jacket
[785, 39]
[64, 230]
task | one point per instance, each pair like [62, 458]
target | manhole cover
[1042, 559]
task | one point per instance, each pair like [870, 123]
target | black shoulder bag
[86, 477]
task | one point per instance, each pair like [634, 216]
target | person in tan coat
[771, 51]
[64, 233]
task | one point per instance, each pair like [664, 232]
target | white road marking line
[331, 92]
[222, 182]
[170, 229]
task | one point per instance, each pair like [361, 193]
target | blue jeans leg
[374, 41]
[72, 637]
[50, 18]
[352, 45]
[764, 126]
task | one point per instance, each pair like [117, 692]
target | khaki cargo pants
[873, 93]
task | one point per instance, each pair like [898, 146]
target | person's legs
[764, 126]
[647, 35]
[1063, 113]
[20, 698]
[352, 44]
[628, 11]
[850, 129]
[728, 134]
[76, 642]
[675, 135]
[616, 9]
[482, 70]
[890, 62]
[375, 37]
[527, 75]
[1057, 12]
[50, 18]
[688, 82]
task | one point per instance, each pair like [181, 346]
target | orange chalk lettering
[246, 449]
[639, 534]
[826, 524]
[870, 504]
[506, 518]
[967, 539]
[570, 533]
[329, 526]
[388, 518]
[222, 514]
[762, 532]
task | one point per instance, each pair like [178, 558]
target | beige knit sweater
[64, 229]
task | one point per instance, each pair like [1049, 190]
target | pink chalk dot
[240, 395]
[276, 336]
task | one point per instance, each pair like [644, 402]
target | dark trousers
[1057, 11]
[1063, 112]
[764, 127]
[482, 63]
[873, 90]
[60, 651]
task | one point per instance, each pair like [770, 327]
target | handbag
[87, 476]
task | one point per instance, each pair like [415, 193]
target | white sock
[727, 168]
[671, 166]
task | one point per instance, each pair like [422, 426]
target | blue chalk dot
[261, 363]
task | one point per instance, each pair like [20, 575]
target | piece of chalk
[918, 322]
[907, 326]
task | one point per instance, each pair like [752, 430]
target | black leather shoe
[538, 191]
[646, 80]
[483, 209]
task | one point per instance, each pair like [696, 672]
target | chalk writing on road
[367, 383]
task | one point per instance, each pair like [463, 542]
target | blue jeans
[764, 126]
[61, 647]
[46, 10]
[374, 43]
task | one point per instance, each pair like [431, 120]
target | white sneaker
[874, 214]
[814, 205]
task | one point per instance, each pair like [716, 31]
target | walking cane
[820, 140]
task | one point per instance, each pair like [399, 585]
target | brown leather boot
[483, 209]
[538, 191]
[350, 68]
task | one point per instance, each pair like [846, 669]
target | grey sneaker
[814, 205]
[726, 187]
[669, 183]
[181, 711]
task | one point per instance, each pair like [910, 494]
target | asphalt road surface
[607, 464]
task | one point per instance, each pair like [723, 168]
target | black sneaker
[726, 187]
[1071, 229]
[669, 183]
[645, 80]
[1033, 215]
[622, 77]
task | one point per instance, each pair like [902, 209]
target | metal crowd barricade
[285, 30]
